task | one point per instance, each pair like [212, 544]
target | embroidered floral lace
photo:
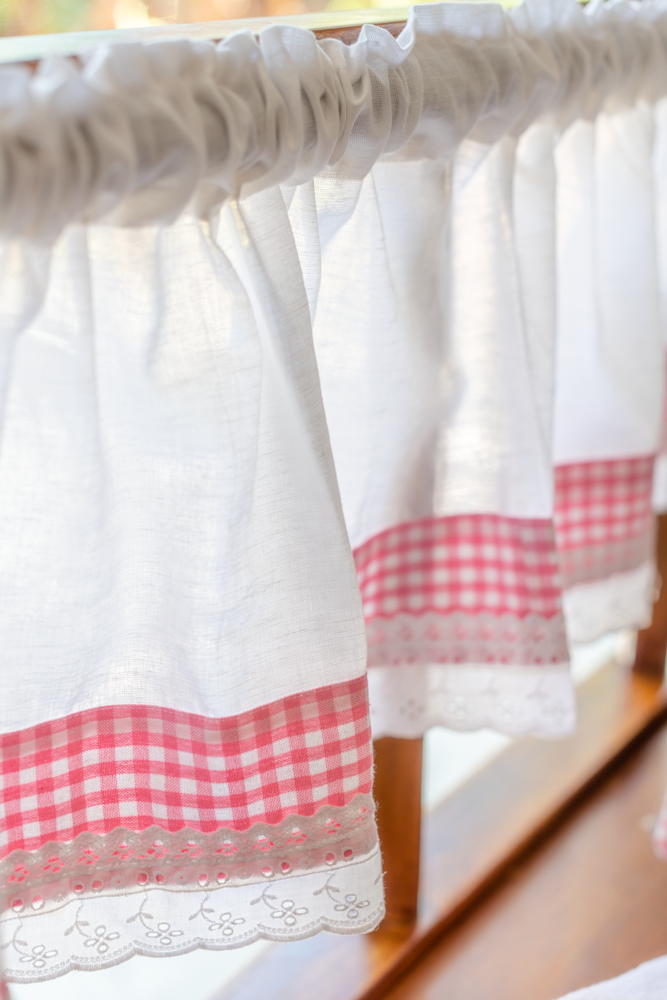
[458, 638]
[127, 862]
[407, 700]
[624, 600]
[167, 893]
[97, 932]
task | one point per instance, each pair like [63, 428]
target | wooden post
[398, 780]
[652, 641]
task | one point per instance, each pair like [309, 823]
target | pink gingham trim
[603, 518]
[136, 766]
[472, 564]
[599, 502]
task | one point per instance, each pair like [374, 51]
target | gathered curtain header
[134, 134]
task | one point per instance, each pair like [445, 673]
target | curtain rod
[349, 34]
[344, 25]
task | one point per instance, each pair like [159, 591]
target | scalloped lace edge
[100, 932]
[516, 700]
[623, 600]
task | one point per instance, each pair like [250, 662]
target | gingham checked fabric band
[486, 589]
[136, 766]
[472, 563]
[603, 518]
[475, 589]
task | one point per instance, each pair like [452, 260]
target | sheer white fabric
[164, 356]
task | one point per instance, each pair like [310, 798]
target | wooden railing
[398, 793]
[652, 642]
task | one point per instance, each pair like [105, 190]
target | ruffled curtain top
[135, 134]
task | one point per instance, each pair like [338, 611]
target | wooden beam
[397, 787]
[652, 641]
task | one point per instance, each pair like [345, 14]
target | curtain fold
[314, 358]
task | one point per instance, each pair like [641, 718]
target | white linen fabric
[647, 982]
[235, 279]
[163, 451]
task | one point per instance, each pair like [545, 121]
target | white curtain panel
[646, 982]
[186, 758]
[608, 404]
[269, 309]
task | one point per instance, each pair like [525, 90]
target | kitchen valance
[313, 357]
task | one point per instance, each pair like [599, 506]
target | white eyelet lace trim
[518, 700]
[460, 638]
[624, 600]
[124, 861]
[588, 563]
[98, 932]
